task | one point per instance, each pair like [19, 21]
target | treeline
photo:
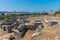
[26, 14]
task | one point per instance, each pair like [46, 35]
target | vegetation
[27, 14]
[2, 17]
[10, 15]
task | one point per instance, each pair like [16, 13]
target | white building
[52, 12]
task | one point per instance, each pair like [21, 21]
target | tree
[2, 13]
[58, 12]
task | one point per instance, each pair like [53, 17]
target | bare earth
[47, 33]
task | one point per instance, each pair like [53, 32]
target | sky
[29, 5]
